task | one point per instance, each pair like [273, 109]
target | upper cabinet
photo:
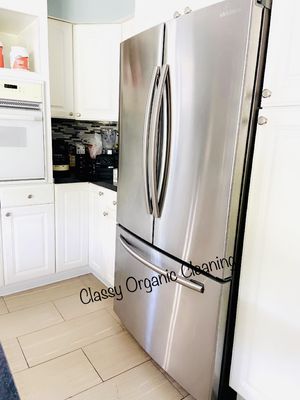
[282, 78]
[84, 70]
[61, 68]
[96, 71]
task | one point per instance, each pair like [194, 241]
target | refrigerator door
[141, 59]
[206, 55]
[175, 324]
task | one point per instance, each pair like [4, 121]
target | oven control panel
[22, 91]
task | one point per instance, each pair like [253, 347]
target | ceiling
[92, 11]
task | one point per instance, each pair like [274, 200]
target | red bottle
[1, 56]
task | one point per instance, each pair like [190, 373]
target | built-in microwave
[22, 153]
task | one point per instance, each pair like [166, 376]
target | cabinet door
[28, 242]
[266, 353]
[72, 219]
[61, 68]
[282, 76]
[96, 71]
[102, 237]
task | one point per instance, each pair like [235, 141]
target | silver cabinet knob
[101, 193]
[176, 14]
[71, 114]
[187, 10]
[114, 203]
[8, 214]
[30, 196]
[266, 93]
[262, 120]
[78, 114]
[105, 213]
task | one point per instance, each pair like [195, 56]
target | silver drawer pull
[105, 213]
[30, 196]
[266, 93]
[262, 120]
[114, 203]
[197, 286]
[101, 193]
[8, 214]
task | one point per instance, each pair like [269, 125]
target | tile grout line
[57, 309]
[92, 364]
[23, 353]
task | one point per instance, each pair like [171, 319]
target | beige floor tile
[29, 320]
[14, 355]
[189, 398]
[3, 308]
[43, 294]
[114, 315]
[180, 389]
[72, 307]
[68, 336]
[115, 354]
[57, 379]
[91, 281]
[144, 382]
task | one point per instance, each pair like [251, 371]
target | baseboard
[98, 276]
[45, 280]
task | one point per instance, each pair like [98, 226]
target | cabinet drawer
[108, 197]
[26, 195]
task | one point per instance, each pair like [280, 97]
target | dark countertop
[75, 179]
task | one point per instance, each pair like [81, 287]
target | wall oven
[22, 153]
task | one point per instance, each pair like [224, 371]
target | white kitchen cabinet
[102, 233]
[282, 77]
[96, 71]
[72, 220]
[266, 352]
[61, 68]
[28, 242]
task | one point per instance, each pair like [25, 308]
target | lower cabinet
[28, 242]
[102, 232]
[72, 221]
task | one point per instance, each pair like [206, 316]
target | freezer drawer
[175, 324]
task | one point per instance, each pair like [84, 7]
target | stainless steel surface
[148, 113]
[174, 324]
[262, 120]
[139, 56]
[198, 286]
[211, 79]
[266, 93]
[154, 132]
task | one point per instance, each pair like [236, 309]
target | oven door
[21, 144]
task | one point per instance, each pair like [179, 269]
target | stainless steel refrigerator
[186, 108]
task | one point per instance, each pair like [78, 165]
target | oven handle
[197, 286]
[36, 117]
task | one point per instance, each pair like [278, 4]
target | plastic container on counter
[19, 58]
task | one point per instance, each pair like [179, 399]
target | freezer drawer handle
[197, 286]
[148, 112]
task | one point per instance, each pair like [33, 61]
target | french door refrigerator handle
[164, 73]
[194, 285]
[148, 113]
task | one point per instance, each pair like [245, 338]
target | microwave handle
[17, 117]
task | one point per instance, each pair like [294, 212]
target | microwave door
[21, 145]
